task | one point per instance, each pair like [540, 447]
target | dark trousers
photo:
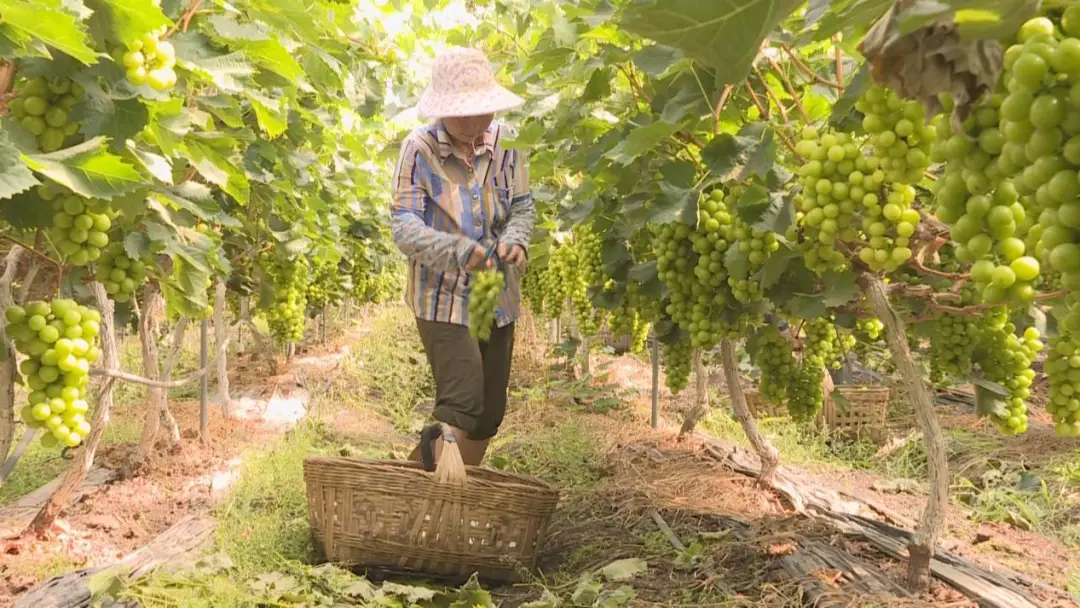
[470, 376]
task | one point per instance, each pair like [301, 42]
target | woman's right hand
[478, 259]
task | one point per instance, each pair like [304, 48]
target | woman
[457, 192]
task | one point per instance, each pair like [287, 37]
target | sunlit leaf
[723, 34]
[88, 170]
[47, 22]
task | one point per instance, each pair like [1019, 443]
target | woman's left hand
[513, 254]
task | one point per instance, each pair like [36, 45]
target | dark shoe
[427, 445]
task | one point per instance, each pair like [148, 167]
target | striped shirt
[442, 208]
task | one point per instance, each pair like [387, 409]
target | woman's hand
[477, 259]
[514, 254]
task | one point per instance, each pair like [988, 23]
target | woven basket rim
[510, 481]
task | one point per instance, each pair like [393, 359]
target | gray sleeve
[519, 226]
[418, 241]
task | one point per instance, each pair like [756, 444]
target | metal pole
[655, 382]
[204, 421]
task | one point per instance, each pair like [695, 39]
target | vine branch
[772, 95]
[790, 88]
[133, 378]
[814, 76]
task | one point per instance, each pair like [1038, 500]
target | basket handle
[427, 442]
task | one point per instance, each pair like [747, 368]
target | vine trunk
[767, 452]
[924, 542]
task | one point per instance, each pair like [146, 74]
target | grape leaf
[839, 288]
[675, 205]
[657, 59]
[973, 17]
[157, 165]
[776, 265]
[88, 170]
[15, 176]
[722, 34]
[26, 211]
[269, 113]
[209, 155]
[989, 402]
[641, 140]
[230, 29]
[193, 52]
[271, 55]
[117, 120]
[46, 21]
[736, 157]
[624, 569]
[131, 19]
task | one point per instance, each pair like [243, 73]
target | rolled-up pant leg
[471, 378]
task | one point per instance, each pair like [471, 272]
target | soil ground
[370, 392]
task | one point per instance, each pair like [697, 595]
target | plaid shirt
[443, 208]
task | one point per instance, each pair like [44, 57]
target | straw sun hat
[463, 84]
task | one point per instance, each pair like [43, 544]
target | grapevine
[804, 395]
[486, 288]
[58, 339]
[327, 286]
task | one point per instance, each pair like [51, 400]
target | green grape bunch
[1006, 359]
[889, 225]
[484, 291]
[823, 344]
[43, 107]
[58, 340]
[150, 60]
[776, 360]
[757, 245]
[678, 360]
[899, 134]
[327, 286]
[1062, 369]
[286, 314]
[120, 274]
[805, 397]
[80, 226]
[837, 181]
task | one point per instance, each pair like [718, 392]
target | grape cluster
[551, 280]
[836, 180]
[327, 286]
[286, 314]
[804, 395]
[952, 341]
[121, 275]
[678, 359]
[631, 317]
[150, 60]
[757, 245]
[889, 226]
[871, 328]
[1006, 359]
[532, 290]
[1063, 372]
[691, 264]
[823, 344]
[43, 108]
[485, 288]
[79, 227]
[776, 360]
[58, 340]
[900, 136]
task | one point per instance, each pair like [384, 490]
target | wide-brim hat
[463, 84]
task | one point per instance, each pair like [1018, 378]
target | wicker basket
[866, 407]
[761, 407]
[393, 516]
